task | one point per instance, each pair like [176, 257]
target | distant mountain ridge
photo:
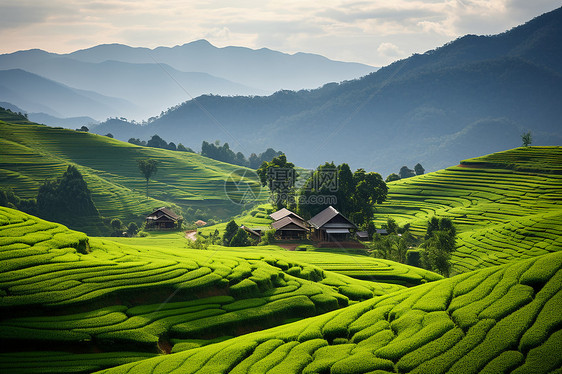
[34, 93]
[475, 95]
[156, 79]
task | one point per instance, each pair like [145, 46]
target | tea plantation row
[496, 320]
[31, 153]
[63, 291]
[506, 205]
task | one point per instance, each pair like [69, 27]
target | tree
[229, 232]
[419, 169]
[279, 175]
[116, 225]
[182, 148]
[439, 243]
[240, 239]
[370, 189]
[148, 168]
[392, 177]
[132, 228]
[527, 139]
[157, 142]
[83, 128]
[405, 172]
[109, 135]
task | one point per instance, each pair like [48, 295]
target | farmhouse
[289, 225]
[290, 228]
[331, 226]
[163, 219]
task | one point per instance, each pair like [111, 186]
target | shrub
[327, 356]
[263, 350]
[361, 362]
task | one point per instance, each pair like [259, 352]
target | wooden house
[331, 226]
[290, 228]
[289, 225]
[163, 219]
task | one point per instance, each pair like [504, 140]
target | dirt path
[191, 235]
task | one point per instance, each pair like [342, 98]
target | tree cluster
[438, 245]
[355, 193]
[66, 197]
[406, 172]
[223, 153]
[395, 245]
[157, 142]
[235, 236]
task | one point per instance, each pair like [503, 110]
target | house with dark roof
[289, 225]
[284, 212]
[163, 219]
[331, 226]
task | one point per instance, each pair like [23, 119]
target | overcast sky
[374, 32]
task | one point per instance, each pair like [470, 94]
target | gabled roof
[326, 216]
[166, 212]
[284, 222]
[282, 213]
[247, 229]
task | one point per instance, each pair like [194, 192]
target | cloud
[353, 30]
[389, 50]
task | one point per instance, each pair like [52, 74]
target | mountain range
[475, 95]
[152, 80]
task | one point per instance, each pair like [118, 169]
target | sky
[375, 32]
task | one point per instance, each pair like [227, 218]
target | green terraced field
[505, 206]
[61, 290]
[496, 320]
[30, 153]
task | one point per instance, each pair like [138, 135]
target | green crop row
[514, 326]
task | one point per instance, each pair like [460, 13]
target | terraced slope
[63, 291]
[505, 206]
[30, 153]
[496, 320]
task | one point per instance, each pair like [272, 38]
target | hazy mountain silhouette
[34, 93]
[473, 96]
[264, 69]
[155, 80]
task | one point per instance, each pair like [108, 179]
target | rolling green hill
[61, 291]
[496, 320]
[505, 206]
[30, 153]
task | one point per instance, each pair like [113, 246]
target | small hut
[163, 219]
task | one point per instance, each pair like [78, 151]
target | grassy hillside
[61, 291]
[31, 153]
[506, 205]
[496, 320]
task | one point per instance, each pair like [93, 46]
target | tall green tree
[229, 232]
[148, 167]
[240, 239]
[419, 169]
[279, 175]
[370, 189]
